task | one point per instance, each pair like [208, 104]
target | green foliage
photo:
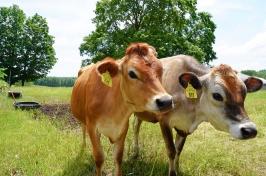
[260, 73]
[26, 50]
[171, 26]
[56, 81]
[2, 73]
[3, 84]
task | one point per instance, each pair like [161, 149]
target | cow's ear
[108, 65]
[253, 84]
[191, 78]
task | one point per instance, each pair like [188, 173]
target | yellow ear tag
[190, 91]
[106, 78]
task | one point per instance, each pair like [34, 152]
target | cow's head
[140, 79]
[222, 99]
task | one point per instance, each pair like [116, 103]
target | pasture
[33, 144]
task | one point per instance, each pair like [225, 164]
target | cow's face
[140, 80]
[222, 100]
[141, 73]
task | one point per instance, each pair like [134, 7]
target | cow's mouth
[166, 109]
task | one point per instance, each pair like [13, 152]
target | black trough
[26, 105]
[14, 94]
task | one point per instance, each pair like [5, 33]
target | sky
[240, 34]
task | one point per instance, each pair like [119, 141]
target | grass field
[33, 146]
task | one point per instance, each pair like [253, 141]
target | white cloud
[249, 55]
[216, 7]
[204, 4]
[240, 33]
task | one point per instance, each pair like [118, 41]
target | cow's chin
[151, 107]
[158, 111]
[246, 130]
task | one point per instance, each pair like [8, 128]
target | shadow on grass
[83, 164]
[142, 167]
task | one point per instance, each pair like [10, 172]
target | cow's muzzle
[244, 130]
[164, 103]
[248, 132]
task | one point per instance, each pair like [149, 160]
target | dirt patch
[60, 113]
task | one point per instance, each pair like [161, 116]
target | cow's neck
[200, 113]
[199, 116]
[121, 102]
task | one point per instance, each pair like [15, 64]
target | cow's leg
[179, 144]
[118, 152]
[170, 147]
[97, 150]
[136, 128]
[84, 136]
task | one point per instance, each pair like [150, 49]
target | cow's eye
[217, 96]
[132, 75]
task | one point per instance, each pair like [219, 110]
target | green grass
[30, 146]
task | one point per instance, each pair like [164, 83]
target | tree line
[260, 73]
[56, 81]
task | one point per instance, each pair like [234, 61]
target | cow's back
[91, 97]
[79, 93]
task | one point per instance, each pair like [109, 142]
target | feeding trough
[26, 105]
[14, 94]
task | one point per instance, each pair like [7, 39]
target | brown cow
[105, 109]
[218, 98]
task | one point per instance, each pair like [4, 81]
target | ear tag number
[107, 79]
[190, 92]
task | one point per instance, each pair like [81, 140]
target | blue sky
[240, 34]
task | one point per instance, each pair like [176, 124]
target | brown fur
[141, 49]
[231, 82]
[106, 109]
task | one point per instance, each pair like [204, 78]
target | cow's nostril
[248, 132]
[164, 102]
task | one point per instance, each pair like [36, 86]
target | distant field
[32, 144]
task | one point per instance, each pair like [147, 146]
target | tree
[39, 55]
[11, 31]
[26, 50]
[171, 26]
[2, 75]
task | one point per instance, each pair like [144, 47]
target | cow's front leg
[179, 144]
[97, 149]
[170, 147]
[119, 150]
[83, 135]
[136, 128]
